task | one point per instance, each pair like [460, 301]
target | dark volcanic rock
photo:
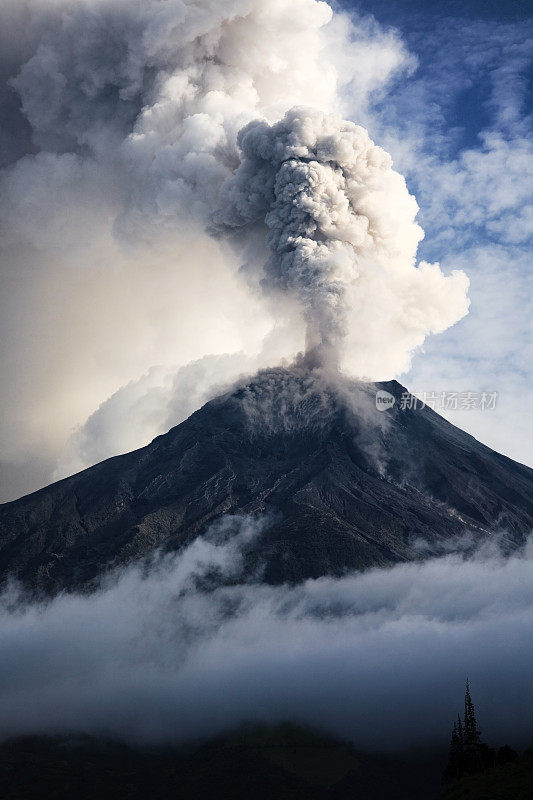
[348, 487]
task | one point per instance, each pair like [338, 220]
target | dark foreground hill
[347, 487]
[286, 762]
[512, 781]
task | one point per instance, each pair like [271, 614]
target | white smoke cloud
[121, 123]
[164, 652]
[150, 406]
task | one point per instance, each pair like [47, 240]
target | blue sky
[458, 125]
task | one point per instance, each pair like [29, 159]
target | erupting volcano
[345, 486]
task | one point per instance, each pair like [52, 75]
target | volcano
[346, 487]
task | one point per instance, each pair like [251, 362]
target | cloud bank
[183, 648]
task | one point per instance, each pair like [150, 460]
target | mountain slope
[348, 487]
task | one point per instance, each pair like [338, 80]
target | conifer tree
[460, 734]
[471, 735]
[467, 752]
[451, 770]
[454, 768]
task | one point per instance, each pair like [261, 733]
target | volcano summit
[346, 487]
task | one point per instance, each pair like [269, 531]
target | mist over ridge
[165, 652]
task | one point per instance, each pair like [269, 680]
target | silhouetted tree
[454, 768]
[473, 760]
[467, 752]
[460, 734]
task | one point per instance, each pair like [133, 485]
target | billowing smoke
[121, 146]
[188, 646]
[335, 210]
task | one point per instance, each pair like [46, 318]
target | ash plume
[335, 210]
[121, 148]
